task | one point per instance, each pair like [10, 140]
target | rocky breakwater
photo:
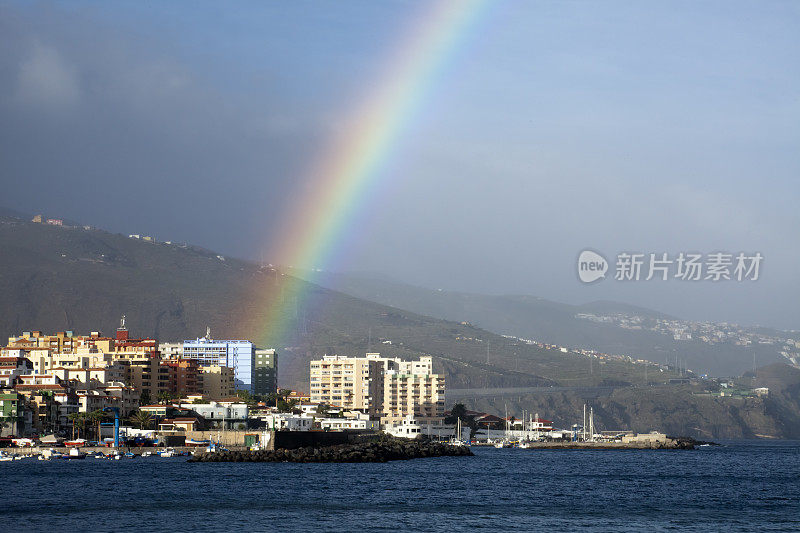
[369, 452]
[663, 443]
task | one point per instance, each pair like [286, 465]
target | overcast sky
[556, 126]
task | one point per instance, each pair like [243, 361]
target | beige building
[347, 382]
[410, 388]
[218, 382]
[384, 387]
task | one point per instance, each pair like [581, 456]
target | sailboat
[505, 442]
[457, 438]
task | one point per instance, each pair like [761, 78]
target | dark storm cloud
[114, 130]
[553, 127]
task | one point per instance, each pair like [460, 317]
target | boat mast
[584, 422]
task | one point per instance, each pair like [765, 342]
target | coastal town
[786, 343]
[91, 392]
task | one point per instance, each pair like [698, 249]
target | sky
[553, 127]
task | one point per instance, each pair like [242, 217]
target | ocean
[741, 486]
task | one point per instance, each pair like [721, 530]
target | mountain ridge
[57, 278]
[558, 323]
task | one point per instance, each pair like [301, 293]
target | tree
[142, 418]
[248, 397]
[281, 400]
[322, 409]
[165, 397]
[96, 417]
[458, 411]
[144, 398]
[79, 421]
[286, 406]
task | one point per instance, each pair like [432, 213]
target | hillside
[556, 323]
[677, 410]
[59, 278]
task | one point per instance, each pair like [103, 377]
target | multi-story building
[389, 388]
[12, 419]
[92, 377]
[147, 376]
[217, 382]
[11, 368]
[411, 388]
[236, 354]
[221, 415]
[171, 350]
[184, 376]
[347, 382]
[265, 372]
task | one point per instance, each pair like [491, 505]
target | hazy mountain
[552, 322]
[62, 278]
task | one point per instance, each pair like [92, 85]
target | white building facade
[236, 354]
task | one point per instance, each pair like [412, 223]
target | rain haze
[551, 128]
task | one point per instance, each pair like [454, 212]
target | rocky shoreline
[670, 443]
[369, 452]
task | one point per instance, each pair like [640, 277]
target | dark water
[741, 487]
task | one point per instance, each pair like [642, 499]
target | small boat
[196, 442]
[169, 452]
[131, 455]
[6, 457]
[74, 453]
[51, 454]
[77, 443]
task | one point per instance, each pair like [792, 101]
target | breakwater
[670, 443]
[368, 452]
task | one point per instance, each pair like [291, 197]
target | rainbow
[346, 172]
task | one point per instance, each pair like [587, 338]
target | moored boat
[75, 453]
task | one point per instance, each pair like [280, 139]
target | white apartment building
[236, 354]
[384, 387]
[347, 383]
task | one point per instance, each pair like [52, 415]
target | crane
[115, 410]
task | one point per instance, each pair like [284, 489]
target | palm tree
[142, 418]
[96, 417]
[78, 422]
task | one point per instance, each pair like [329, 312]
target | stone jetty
[668, 443]
[368, 452]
